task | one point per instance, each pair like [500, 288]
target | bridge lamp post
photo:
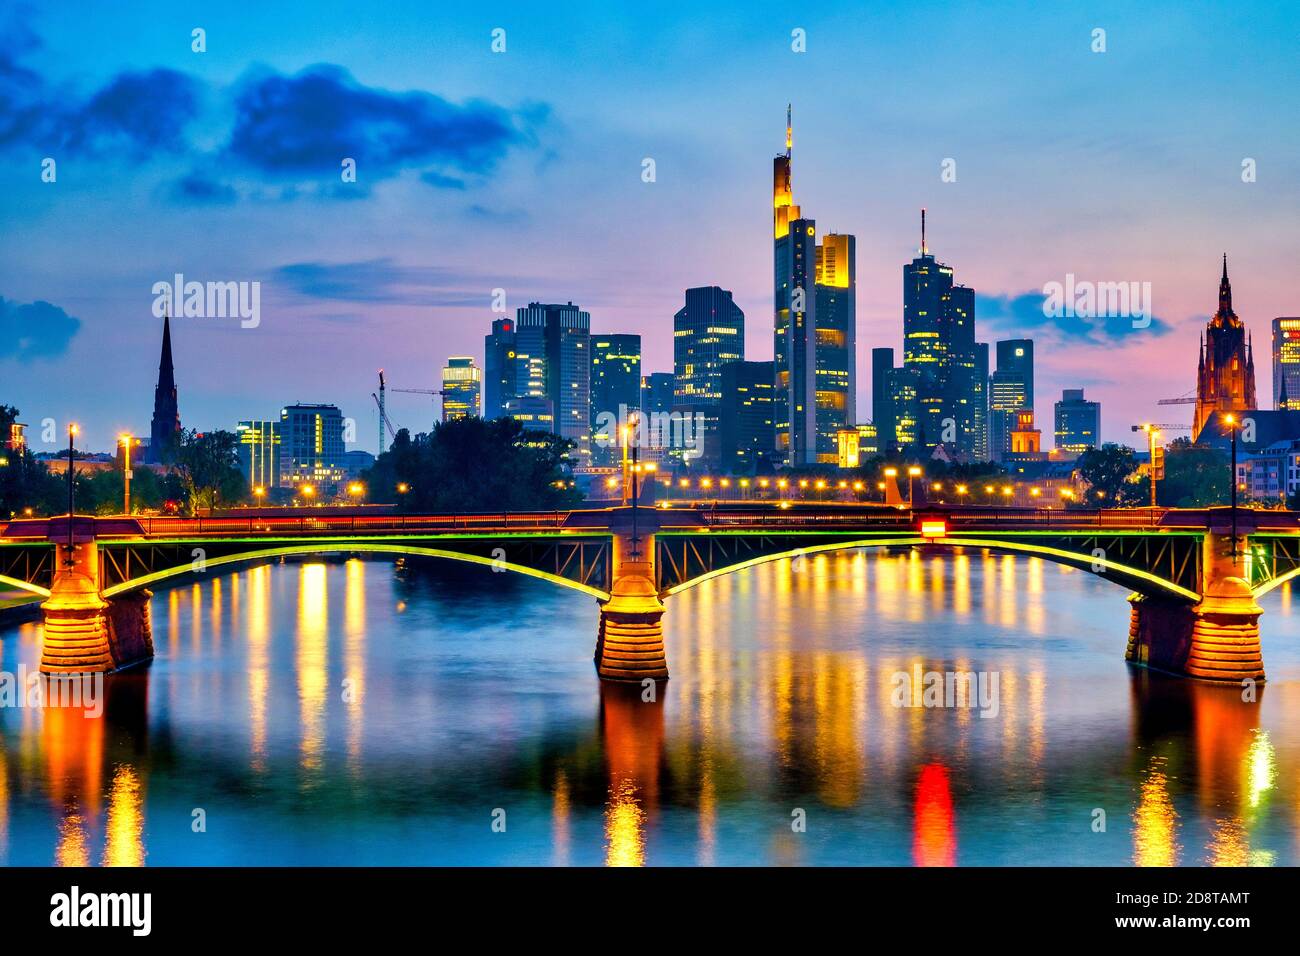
[912, 474]
[1007, 492]
[308, 491]
[821, 490]
[72, 433]
[126, 440]
[258, 494]
[961, 492]
[1231, 421]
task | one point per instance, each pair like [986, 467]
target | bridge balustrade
[311, 524]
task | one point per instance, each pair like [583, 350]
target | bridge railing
[354, 524]
[972, 518]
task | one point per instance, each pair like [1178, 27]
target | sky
[522, 171]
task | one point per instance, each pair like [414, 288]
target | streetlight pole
[1232, 430]
[72, 432]
[126, 475]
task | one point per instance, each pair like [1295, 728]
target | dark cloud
[34, 330]
[386, 281]
[306, 124]
[1023, 314]
[145, 111]
[197, 189]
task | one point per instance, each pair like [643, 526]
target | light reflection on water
[357, 712]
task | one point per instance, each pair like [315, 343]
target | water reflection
[359, 712]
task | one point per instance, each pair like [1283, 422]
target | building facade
[835, 342]
[1286, 363]
[553, 361]
[746, 429]
[311, 447]
[259, 453]
[1077, 422]
[460, 388]
[615, 391]
[1011, 388]
[498, 368]
[708, 333]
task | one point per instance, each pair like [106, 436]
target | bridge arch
[363, 547]
[24, 586]
[1124, 575]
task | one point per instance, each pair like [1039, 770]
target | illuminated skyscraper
[746, 416]
[939, 343]
[882, 414]
[498, 367]
[1225, 375]
[794, 319]
[553, 361]
[311, 446]
[1286, 363]
[708, 332]
[1011, 388]
[460, 388]
[1078, 422]
[259, 453]
[615, 390]
[836, 342]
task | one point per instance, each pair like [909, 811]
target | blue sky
[522, 170]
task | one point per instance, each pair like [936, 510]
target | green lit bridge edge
[1164, 564]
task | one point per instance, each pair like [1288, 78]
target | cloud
[146, 111]
[386, 281]
[305, 125]
[34, 330]
[1023, 313]
[198, 189]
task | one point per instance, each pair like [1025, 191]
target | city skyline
[357, 278]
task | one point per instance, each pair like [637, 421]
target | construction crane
[383, 415]
[1188, 399]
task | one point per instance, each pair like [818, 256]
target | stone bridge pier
[630, 639]
[1216, 638]
[84, 632]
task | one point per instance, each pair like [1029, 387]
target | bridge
[1192, 593]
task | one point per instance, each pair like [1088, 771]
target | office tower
[1078, 422]
[835, 356]
[939, 342]
[1225, 374]
[882, 413]
[259, 453]
[1011, 388]
[794, 318]
[1286, 363]
[904, 386]
[745, 428]
[498, 367]
[615, 391]
[553, 361]
[868, 440]
[708, 332]
[460, 388]
[533, 412]
[657, 392]
[311, 446]
[980, 403]
[165, 427]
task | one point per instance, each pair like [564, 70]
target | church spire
[1225, 292]
[166, 421]
[166, 372]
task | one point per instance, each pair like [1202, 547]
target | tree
[469, 464]
[24, 481]
[207, 464]
[1110, 472]
[1195, 476]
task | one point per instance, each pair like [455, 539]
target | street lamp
[127, 441]
[308, 491]
[356, 489]
[1231, 421]
[403, 487]
[912, 474]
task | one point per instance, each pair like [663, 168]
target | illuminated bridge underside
[1160, 565]
[1273, 559]
[575, 561]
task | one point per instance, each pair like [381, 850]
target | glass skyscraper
[708, 332]
[1286, 363]
[1011, 388]
[615, 389]
[1078, 422]
[835, 358]
[553, 361]
[746, 425]
[498, 368]
[460, 388]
